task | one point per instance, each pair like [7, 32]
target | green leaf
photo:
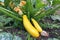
[28, 37]
[6, 2]
[8, 36]
[53, 39]
[29, 8]
[1, 24]
[39, 4]
[55, 2]
[4, 20]
[8, 20]
[55, 17]
[17, 38]
[49, 25]
[5, 36]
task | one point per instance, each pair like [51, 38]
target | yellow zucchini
[29, 27]
[37, 26]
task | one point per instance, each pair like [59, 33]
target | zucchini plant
[31, 9]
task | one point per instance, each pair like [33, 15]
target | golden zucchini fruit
[29, 27]
[37, 26]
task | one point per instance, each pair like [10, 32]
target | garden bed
[29, 19]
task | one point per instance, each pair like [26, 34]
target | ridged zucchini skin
[29, 27]
[37, 26]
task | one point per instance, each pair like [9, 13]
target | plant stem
[7, 10]
[9, 14]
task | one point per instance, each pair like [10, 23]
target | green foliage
[9, 13]
[17, 38]
[53, 39]
[49, 25]
[39, 4]
[53, 24]
[1, 24]
[30, 9]
[29, 37]
[7, 2]
[46, 13]
[55, 2]
[4, 20]
[55, 17]
[9, 36]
